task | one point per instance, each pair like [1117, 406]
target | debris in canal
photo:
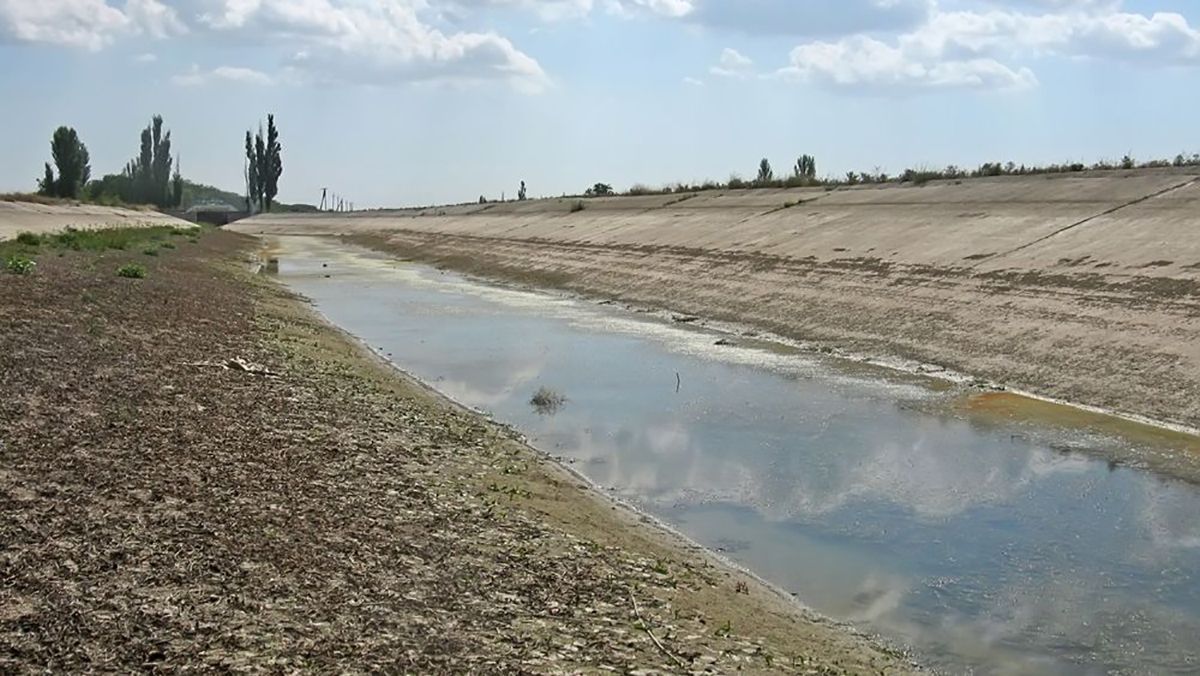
[546, 401]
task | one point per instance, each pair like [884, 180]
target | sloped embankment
[1082, 287]
[18, 217]
[170, 504]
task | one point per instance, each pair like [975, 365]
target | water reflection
[981, 548]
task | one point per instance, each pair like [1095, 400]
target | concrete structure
[1083, 287]
[18, 217]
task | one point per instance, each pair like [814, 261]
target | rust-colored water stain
[1016, 408]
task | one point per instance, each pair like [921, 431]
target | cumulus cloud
[994, 45]
[381, 43]
[222, 74]
[733, 64]
[384, 42]
[86, 24]
[1162, 36]
[547, 10]
[861, 62]
[667, 8]
[154, 18]
[809, 19]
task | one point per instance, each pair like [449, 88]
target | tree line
[804, 174]
[151, 177]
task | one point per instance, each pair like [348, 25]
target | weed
[131, 271]
[29, 239]
[31, 197]
[578, 206]
[725, 629]
[167, 245]
[92, 240]
[150, 252]
[19, 265]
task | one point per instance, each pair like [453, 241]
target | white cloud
[547, 10]
[990, 48]
[385, 43]
[733, 64]
[221, 74]
[694, 82]
[1166, 37]
[667, 8]
[861, 62]
[154, 18]
[86, 24]
[89, 24]
[380, 42]
[809, 17]
[146, 57]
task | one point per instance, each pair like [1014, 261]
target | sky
[413, 102]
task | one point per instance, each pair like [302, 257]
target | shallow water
[866, 493]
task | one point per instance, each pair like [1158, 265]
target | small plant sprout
[19, 265]
[131, 271]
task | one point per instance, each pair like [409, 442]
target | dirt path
[165, 511]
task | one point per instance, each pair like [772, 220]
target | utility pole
[323, 192]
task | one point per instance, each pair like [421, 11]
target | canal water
[984, 546]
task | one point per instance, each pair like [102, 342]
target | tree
[273, 163]
[765, 173]
[46, 182]
[143, 177]
[177, 187]
[251, 174]
[521, 192]
[599, 190]
[149, 173]
[260, 160]
[806, 167]
[73, 164]
[160, 164]
[264, 166]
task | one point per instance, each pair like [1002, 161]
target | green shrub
[120, 238]
[29, 239]
[167, 245]
[150, 252]
[19, 265]
[132, 271]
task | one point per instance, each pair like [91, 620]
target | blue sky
[395, 102]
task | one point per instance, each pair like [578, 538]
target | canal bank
[200, 473]
[984, 538]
